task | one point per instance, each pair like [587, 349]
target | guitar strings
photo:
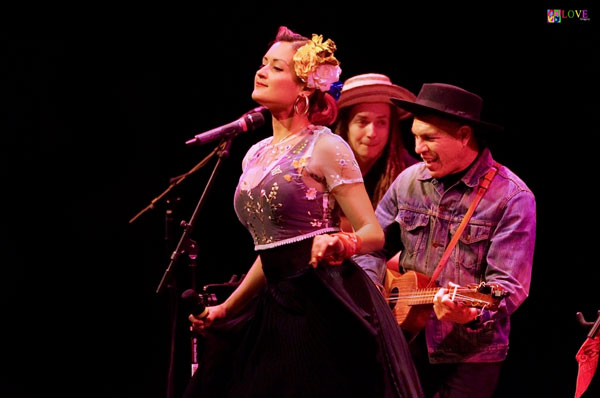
[430, 296]
[417, 297]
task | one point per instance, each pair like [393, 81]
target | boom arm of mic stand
[183, 245]
[178, 181]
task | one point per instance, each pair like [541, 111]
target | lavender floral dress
[324, 332]
[284, 194]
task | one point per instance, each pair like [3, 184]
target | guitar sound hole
[393, 297]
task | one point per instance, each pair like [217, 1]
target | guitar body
[411, 314]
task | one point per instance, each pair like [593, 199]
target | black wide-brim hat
[450, 101]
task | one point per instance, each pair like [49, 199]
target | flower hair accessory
[315, 64]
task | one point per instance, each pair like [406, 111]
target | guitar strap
[487, 179]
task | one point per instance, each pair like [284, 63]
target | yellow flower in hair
[315, 64]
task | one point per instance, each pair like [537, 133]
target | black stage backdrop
[97, 120]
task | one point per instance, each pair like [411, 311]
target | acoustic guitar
[411, 302]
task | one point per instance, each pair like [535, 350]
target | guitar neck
[418, 296]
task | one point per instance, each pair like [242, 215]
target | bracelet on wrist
[351, 245]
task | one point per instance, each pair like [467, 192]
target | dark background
[96, 123]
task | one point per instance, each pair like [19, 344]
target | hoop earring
[306, 104]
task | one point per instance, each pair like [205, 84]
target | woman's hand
[326, 248]
[214, 313]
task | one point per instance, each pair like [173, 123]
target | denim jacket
[419, 217]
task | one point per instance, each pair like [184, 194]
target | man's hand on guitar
[448, 310]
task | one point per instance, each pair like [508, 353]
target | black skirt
[324, 332]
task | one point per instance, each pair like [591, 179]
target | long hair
[322, 107]
[392, 160]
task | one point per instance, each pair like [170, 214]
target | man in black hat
[460, 346]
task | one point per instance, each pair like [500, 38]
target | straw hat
[373, 88]
[447, 101]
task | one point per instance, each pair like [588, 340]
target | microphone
[249, 121]
[196, 303]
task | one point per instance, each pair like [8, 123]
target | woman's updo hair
[322, 107]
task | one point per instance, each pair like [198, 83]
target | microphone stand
[172, 285]
[187, 245]
[175, 181]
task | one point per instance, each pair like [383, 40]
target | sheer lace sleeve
[253, 151]
[333, 159]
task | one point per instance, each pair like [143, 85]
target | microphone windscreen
[189, 295]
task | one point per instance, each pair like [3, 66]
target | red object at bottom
[587, 357]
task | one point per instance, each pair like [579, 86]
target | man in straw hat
[462, 347]
[372, 125]
[375, 129]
